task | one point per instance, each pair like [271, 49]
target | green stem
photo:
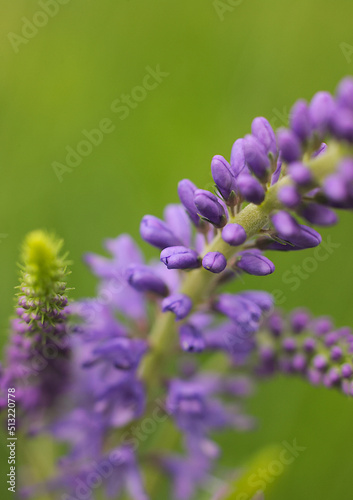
[253, 218]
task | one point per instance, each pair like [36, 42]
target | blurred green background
[224, 69]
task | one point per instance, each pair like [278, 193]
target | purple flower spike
[214, 262]
[262, 130]
[209, 207]
[223, 176]
[157, 233]
[191, 339]
[319, 214]
[300, 121]
[186, 191]
[285, 225]
[143, 279]
[289, 196]
[237, 158]
[256, 157]
[321, 108]
[289, 145]
[255, 264]
[179, 257]
[179, 304]
[344, 93]
[234, 234]
[251, 189]
[300, 174]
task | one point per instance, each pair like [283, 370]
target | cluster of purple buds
[310, 347]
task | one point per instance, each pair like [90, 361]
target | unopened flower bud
[234, 234]
[209, 207]
[262, 130]
[289, 145]
[214, 262]
[179, 257]
[300, 121]
[255, 263]
[157, 233]
[250, 188]
[256, 157]
[143, 279]
[179, 304]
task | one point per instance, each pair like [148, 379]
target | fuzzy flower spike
[38, 354]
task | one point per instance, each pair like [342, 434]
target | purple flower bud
[256, 157]
[300, 174]
[321, 108]
[223, 176]
[299, 320]
[276, 324]
[179, 304]
[336, 353]
[214, 262]
[179, 257]
[322, 149]
[320, 362]
[300, 121]
[143, 279]
[237, 158]
[157, 233]
[342, 124]
[347, 370]
[285, 225]
[345, 169]
[309, 345]
[319, 214]
[289, 344]
[335, 188]
[250, 188]
[262, 130]
[234, 234]
[299, 362]
[191, 339]
[289, 196]
[344, 92]
[332, 377]
[255, 264]
[321, 325]
[186, 191]
[314, 376]
[289, 145]
[306, 238]
[209, 207]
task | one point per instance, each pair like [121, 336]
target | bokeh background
[226, 64]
